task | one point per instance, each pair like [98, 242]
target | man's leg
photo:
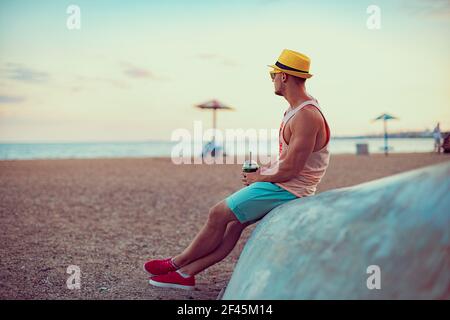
[231, 237]
[437, 146]
[209, 237]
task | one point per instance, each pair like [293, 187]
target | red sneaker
[158, 267]
[173, 280]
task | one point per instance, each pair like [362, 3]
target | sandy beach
[108, 216]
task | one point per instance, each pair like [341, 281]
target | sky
[135, 69]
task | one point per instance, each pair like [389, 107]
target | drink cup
[250, 166]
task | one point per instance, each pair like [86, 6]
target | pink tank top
[306, 181]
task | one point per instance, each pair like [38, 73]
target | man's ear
[283, 77]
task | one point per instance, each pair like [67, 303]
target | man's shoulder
[308, 115]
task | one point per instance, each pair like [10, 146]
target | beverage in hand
[249, 165]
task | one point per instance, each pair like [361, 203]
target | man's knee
[221, 214]
[236, 226]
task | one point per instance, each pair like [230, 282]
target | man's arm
[304, 128]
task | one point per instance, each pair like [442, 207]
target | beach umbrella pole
[214, 127]
[385, 117]
[215, 106]
[385, 138]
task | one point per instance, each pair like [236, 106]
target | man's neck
[295, 98]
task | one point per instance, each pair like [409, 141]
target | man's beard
[279, 91]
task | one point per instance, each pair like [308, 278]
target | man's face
[277, 83]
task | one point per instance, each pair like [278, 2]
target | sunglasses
[273, 74]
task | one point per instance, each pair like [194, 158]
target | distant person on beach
[437, 138]
[303, 159]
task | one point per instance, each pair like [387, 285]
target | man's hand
[250, 177]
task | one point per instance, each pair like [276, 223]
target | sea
[142, 149]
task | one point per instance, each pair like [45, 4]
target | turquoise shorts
[256, 200]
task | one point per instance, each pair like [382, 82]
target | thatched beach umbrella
[385, 117]
[214, 105]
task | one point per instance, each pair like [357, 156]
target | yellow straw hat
[293, 63]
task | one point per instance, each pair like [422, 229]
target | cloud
[76, 89]
[207, 56]
[136, 72]
[433, 8]
[4, 99]
[88, 79]
[18, 72]
[217, 58]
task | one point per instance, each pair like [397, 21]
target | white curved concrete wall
[320, 247]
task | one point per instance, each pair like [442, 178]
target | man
[303, 159]
[437, 138]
